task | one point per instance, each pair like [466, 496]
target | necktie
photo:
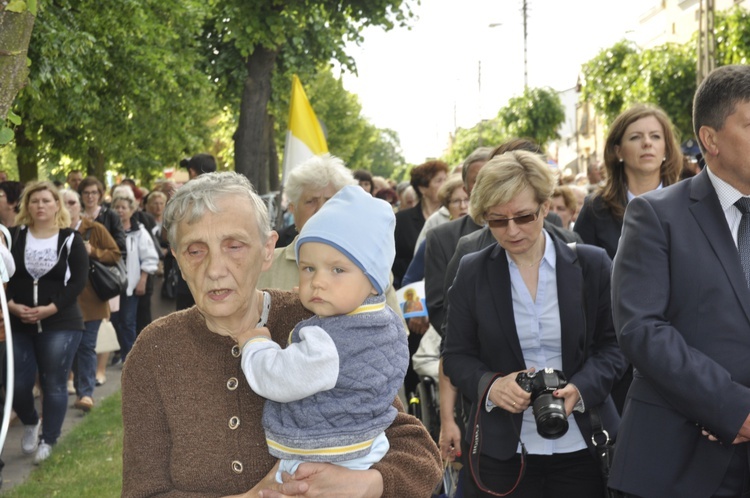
[743, 235]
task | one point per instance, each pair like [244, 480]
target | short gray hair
[479, 154]
[199, 195]
[318, 172]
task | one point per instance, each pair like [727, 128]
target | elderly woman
[527, 303]
[192, 424]
[141, 258]
[308, 187]
[51, 271]
[102, 247]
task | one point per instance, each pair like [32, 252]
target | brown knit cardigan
[104, 249]
[193, 425]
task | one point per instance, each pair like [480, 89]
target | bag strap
[476, 446]
[87, 234]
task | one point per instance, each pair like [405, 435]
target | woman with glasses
[100, 246]
[92, 196]
[527, 303]
[51, 271]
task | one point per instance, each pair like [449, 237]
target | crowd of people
[547, 310]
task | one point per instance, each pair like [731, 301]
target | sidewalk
[17, 465]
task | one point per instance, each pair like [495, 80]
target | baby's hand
[247, 335]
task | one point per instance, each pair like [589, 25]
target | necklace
[532, 265]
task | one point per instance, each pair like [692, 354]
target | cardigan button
[237, 467]
[232, 383]
[236, 352]
[234, 422]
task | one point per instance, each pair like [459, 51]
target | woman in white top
[141, 259]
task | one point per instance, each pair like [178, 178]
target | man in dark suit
[441, 241]
[681, 307]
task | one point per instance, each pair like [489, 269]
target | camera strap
[476, 445]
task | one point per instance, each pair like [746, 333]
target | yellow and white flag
[305, 137]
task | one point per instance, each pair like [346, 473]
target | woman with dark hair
[641, 154]
[51, 271]
[92, 195]
[426, 180]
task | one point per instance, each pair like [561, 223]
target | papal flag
[305, 137]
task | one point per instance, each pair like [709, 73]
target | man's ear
[707, 136]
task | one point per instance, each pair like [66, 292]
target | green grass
[87, 462]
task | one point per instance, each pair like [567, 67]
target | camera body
[549, 412]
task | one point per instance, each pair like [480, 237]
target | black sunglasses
[518, 220]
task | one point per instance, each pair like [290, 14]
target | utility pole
[706, 40]
[525, 59]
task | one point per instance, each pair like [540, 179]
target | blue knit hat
[360, 227]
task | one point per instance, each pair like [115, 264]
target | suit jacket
[483, 238]
[597, 226]
[483, 340]
[682, 315]
[441, 243]
[409, 223]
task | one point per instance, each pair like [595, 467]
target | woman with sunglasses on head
[102, 247]
[527, 303]
[51, 271]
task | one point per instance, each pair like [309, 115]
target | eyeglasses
[90, 193]
[518, 220]
[458, 202]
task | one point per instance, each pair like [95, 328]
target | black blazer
[597, 226]
[482, 338]
[441, 243]
[409, 223]
[682, 314]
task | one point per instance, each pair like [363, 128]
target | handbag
[108, 281]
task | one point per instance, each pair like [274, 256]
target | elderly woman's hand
[331, 481]
[505, 393]
[418, 324]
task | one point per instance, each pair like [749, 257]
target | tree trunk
[251, 150]
[15, 33]
[95, 164]
[26, 156]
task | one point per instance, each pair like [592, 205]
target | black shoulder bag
[107, 281]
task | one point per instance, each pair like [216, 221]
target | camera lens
[549, 413]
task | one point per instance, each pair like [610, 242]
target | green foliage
[116, 84]
[537, 114]
[87, 463]
[732, 31]
[665, 76]
[489, 133]
[606, 77]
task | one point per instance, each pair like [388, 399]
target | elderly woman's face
[74, 207]
[309, 203]
[221, 256]
[123, 209]
[518, 237]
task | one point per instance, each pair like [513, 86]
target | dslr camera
[549, 412]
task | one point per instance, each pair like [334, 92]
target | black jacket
[51, 287]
